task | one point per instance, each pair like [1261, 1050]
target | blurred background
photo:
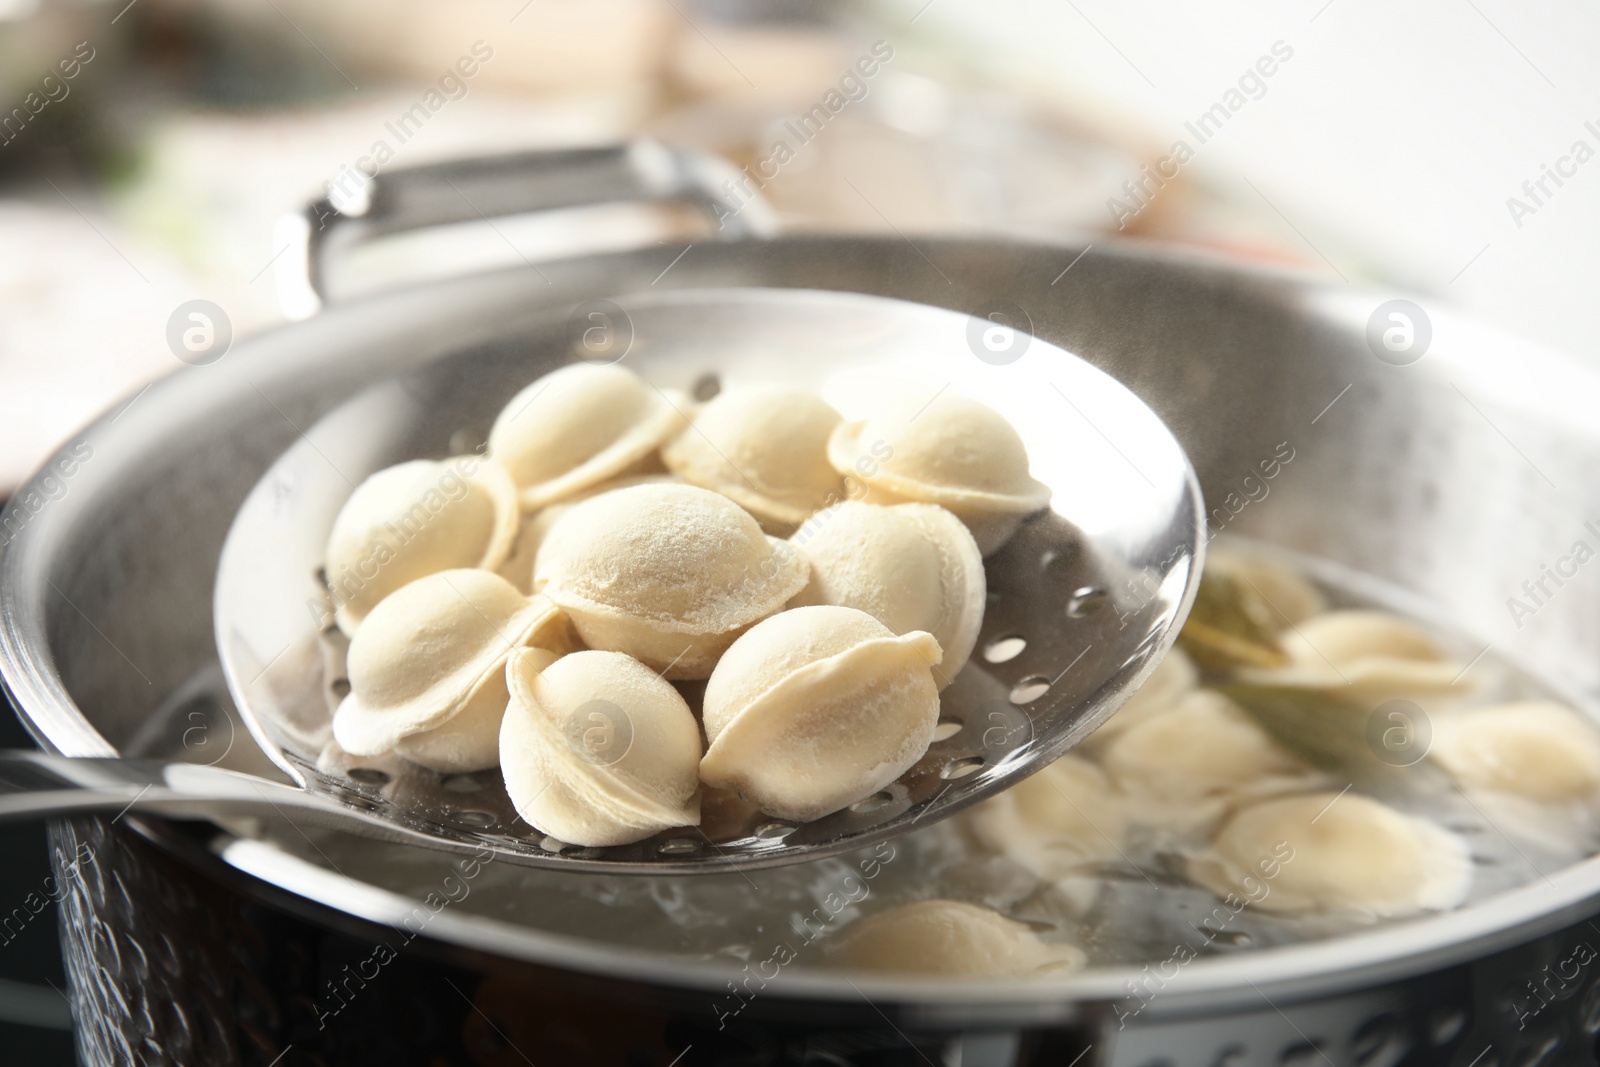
[149, 150]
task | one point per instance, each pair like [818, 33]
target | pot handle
[358, 210]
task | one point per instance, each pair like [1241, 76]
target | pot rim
[1386, 953]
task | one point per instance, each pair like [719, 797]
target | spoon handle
[37, 785]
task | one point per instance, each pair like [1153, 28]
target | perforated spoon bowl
[1083, 601]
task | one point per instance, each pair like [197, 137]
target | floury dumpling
[669, 574]
[427, 669]
[950, 451]
[910, 566]
[470, 739]
[579, 426]
[412, 520]
[817, 708]
[951, 939]
[597, 750]
[1322, 852]
[517, 567]
[766, 448]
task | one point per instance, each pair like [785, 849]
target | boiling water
[743, 917]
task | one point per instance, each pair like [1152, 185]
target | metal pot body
[1454, 476]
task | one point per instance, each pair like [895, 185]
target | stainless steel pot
[1455, 477]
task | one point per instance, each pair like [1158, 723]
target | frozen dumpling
[1204, 746]
[911, 566]
[1366, 657]
[766, 448]
[950, 451]
[817, 708]
[948, 938]
[597, 750]
[1538, 750]
[470, 739]
[579, 426]
[517, 568]
[1055, 824]
[415, 519]
[435, 651]
[1326, 852]
[669, 574]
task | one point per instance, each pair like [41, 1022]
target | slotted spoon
[1083, 601]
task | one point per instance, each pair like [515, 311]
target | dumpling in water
[1285, 597]
[1538, 750]
[1322, 852]
[949, 451]
[911, 567]
[948, 939]
[597, 750]
[578, 426]
[412, 520]
[1203, 747]
[669, 574]
[1367, 657]
[427, 669]
[1055, 824]
[766, 448]
[817, 708]
[1174, 677]
[1533, 769]
[1353, 638]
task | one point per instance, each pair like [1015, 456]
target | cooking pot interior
[1455, 477]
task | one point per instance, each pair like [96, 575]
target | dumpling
[950, 451]
[470, 739]
[1367, 657]
[1352, 638]
[817, 708]
[412, 520]
[766, 448]
[669, 574]
[1532, 770]
[1289, 599]
[1055, 824]
[597, 750]
[578, 426]
[517, 568]
[1538, 750]
[433, 652]
[910, 566]
[1174, 677]
[1202, 747]
[1320, 852]
[951, 939]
